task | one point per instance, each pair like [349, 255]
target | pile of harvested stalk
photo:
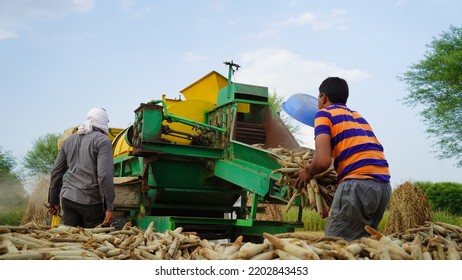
[32, 241]
[318, 194]
[409, 208]
[437, 241]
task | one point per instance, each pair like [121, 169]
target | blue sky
[60, 58]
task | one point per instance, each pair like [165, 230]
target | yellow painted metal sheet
[194, 110]
[206, 88]
[243, 107]
[120, 146]
[170, 101]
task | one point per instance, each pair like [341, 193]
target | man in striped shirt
[345, 139]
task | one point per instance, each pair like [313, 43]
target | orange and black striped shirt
[356, 151]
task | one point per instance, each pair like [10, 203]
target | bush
[424, 185]
[445, 196]
[11, 216]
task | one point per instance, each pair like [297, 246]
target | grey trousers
[357, 203]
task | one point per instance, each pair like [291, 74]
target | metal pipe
[184, 120]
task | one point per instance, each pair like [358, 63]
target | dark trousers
[80, 215]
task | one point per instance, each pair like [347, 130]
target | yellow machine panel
[205, 88]
[190, 109]
[120, 146]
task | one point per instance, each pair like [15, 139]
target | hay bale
[409, 208]
[35, 210]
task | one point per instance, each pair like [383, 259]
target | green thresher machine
[194, 163]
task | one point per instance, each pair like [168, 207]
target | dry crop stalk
[319, 197]
[428, 241]
[292, 249]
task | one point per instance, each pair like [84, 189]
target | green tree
[276, 105]
[12, 192]
[40, 159]
[435, 83]
[7, 162]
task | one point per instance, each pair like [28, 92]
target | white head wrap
[96, 117]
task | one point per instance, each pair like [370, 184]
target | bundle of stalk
[433, 241]
[318, 193]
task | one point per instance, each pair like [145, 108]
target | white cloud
[143, 12]
[193, 58]
[16, 16]
[216, 6]
[125, 5]
[334, 20]
[131, 7]
[401, 2]
[83, 6]
[288, 73]
[7, 34]
[269, 33]
[305, 18]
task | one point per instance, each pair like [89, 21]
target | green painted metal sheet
[242, 176]
[181, 150]
[241, 91]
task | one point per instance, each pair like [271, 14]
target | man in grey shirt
[83, 175]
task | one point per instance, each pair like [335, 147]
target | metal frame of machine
[192, 163]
